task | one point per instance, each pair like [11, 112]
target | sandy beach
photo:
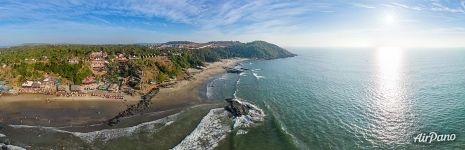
[187, 91]
[36, 109]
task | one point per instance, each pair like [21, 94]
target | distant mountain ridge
[255, 49]
[218, 49]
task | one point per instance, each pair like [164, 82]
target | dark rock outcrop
[234, 70]
[143, 104]
[236, 108]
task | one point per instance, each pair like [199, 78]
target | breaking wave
[257, 76]
[108, 134]
[216, 126]
[211, 129]
[11, 147]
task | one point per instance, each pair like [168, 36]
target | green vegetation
[30, 62]
[73, 72]
[256, 49]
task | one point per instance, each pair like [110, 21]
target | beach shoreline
[37, 109]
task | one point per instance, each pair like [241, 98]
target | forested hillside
[30, 62]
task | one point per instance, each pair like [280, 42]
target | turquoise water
[352, 98]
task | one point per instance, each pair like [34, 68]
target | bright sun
[390, 19]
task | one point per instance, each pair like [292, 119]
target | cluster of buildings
[90, 87]
[98, 61]
[122, 58]
[45, 86]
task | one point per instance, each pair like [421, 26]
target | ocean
[351, 99]
[321, 99]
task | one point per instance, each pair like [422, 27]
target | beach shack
[27, 84]
[60, 88]
[75, 88]
[103, 87]
[36, 84]
[113, 88]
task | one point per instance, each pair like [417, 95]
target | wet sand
[77, 112]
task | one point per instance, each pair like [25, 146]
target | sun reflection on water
[389, 65]
[391, 118]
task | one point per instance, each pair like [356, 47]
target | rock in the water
[245, 114]
[236, 108]
[216, 125]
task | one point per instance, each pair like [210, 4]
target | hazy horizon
[360, 23]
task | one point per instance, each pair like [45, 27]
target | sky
[306, 23]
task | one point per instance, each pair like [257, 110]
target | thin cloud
[418, 8]
[363, 5]
[445, 7]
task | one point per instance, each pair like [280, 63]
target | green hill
[255, 49]
[30, 62]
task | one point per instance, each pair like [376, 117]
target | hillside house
[89, 80]
[98, 55]
[121, 58]
[97, 65]
[74, 60]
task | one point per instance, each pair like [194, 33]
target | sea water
[351, 99]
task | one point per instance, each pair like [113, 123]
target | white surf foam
[12, 147]
[215, 126]
[108, 134]
[223, 77]
[2, 135]
[255, 114]
[209, 92]
[257, 76]
[211, 129]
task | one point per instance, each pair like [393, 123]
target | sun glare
[389, 67]
[390, 19]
